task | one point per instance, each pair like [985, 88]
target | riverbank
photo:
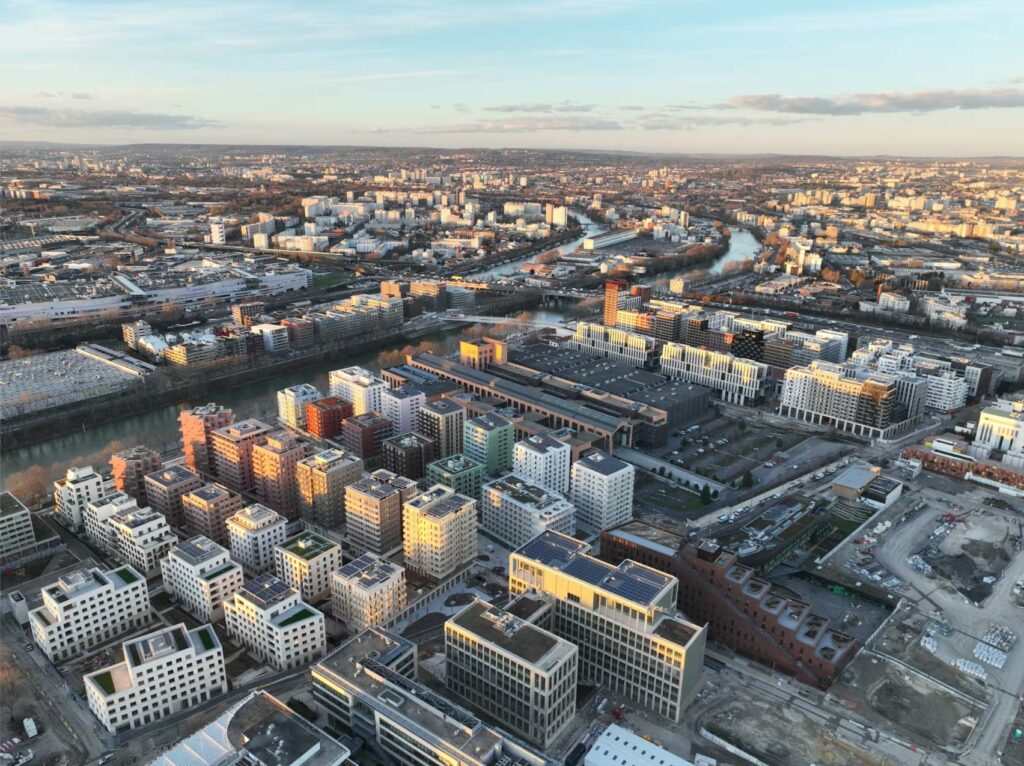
[172, 386]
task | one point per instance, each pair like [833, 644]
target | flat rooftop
[512, 634]
[629, 580]
[308, 545]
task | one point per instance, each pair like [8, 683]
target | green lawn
[206, 638]
[297, 617]
[127, 576]
[106, 683]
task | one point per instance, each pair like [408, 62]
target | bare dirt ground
[907, 702]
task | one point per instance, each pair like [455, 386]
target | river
[158, 428]
[590, 229]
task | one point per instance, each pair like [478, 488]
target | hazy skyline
[913, 78]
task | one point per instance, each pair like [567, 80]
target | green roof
[220, 570]
[42, 616]
[206, 638]
[313, 545]
[127, 575]
[105, 682]
[299, 616]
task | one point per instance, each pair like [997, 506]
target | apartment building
[305, 562]
[862, 404]
[488, 440]
[515, 511]
[360, 387]
[737, 380]
[373, 511]
[73, 493]
[129, 468]
[601, 490]
[321, 480]
[1001, 430]
[461, 473]
[231, 449]
[207, 510]
[439, 532]
[522, 676]
[269, 618]
[622, 618]
[88, 607]
[162, 673]
[368, 592]
[543, 460]
[253, 535]
[16, 530]
[325, 416]
[96, 520]
[407, 455]
[292, 401]
[166, 488]
[197, 426]
[442, 421]
[401, 406]
[364, 435]
[142, 538]
[612, 343]
[367, 687]
[274, 468]
[200, 574]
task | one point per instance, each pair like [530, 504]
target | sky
[898, 77]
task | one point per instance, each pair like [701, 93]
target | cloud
[524, 125]
[1018, 79]
[460, 107]
[78, 96]
[564, 106]
[660, 121]
[114, 118]
[861, 103]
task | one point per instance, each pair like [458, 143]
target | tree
[705, 495]
[748, 480]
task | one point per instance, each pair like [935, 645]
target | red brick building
[740, 609]
[325, 416]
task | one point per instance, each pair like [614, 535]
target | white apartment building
[143, 538]
[844, 397]
[613, 343]
[521, 675]
[73, 493]
[16, 530]
[253, 535]
[368, 687]
[515, 511]
[543, 460]
[88, 607]
[292, 401]
[202, 576]
[401, 406]
[97, 519]
[305, 562]
[439, 529]
[947, 392]
[273, 622]
[890, 301]
[373, 511]
[601, 491]
[163, 673]
[623, 619]
[368, 592]
[739, 381]
[360, 387]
